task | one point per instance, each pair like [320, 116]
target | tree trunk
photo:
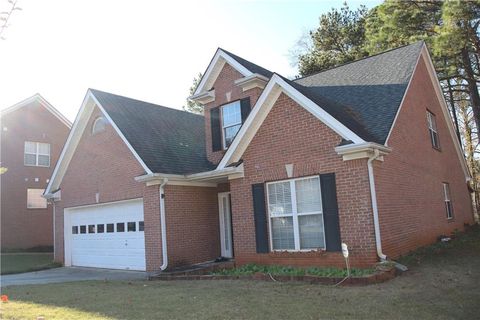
[472, 86]
[454, 109]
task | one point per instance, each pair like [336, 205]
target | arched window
[99, 125]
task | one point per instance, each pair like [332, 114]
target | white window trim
[446, 195]
[29, 207]
[36, 154]
[99, 118]
[224, 145]
[432, 129]
[294, 215]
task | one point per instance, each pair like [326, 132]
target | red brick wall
[409, 182]
[225, 85]
[102, 164]
[22, 227]
[192, 224]
[291, 135]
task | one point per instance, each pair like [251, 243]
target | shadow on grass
[443, 286]
[21, 262]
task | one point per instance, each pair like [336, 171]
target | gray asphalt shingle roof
[255, 68]
[369, 90]
[167, 140]
[364, 95]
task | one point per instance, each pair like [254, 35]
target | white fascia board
[214, 68]
[204, 97]
[362, 150]
[403, 98]
[71, 143]
[114, 125]
[192, 178]
[262, 107]
[88, 105]
[252, 81]
[443, 104]
[37, 97]
[425, 55]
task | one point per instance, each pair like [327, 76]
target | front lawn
[25, 262]
[443, 283]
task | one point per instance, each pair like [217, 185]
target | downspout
[373, 195]
[54, 245]
[163, 225]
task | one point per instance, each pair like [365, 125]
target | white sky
[148, 50]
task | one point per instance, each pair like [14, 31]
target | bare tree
[6, 15]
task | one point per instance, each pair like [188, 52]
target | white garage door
[106, 236]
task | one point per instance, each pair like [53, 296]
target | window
[100, 228]
[75, 230]
[295, 211]
[120, 227]
[131, 226]
[432, 129]
[110, 227]
[35, 199]
[231, 122]
[448, 201]
[37, 154]
[83, 229]
[141, 226]
[99, 125]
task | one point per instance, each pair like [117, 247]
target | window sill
[437, 149]
[298, 251]
[33, 165]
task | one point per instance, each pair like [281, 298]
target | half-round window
[99, 125]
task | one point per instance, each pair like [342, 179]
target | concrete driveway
[70, 274]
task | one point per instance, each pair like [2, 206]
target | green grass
[26, 262]
[442, 284]
[251, 269]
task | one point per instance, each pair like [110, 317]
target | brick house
[32, 137]
[275, 172]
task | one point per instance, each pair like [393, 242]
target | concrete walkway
[69, 274]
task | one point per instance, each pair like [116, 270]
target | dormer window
[231, 122]
[225, 122]
[99, 125]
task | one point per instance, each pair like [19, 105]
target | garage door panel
[108, 236]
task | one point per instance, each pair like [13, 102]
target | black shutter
[330, 212]
[259, 212]
[245, 107]
[216, 129]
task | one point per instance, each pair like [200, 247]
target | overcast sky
[148, 50]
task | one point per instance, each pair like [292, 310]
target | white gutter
[202, 176]
[163, 225]
[373, 194]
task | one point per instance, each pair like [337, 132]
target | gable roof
[369, 91]
[221, 56]
[167, 140]
[42, 101]
[162, 140]
[254, 68]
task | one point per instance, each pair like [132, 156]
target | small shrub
[250, 269]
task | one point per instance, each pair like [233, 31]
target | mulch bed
[378, 277]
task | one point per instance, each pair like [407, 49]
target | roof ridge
[237, 57]
[142, 101]
[361, 59]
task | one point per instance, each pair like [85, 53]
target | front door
[225, 217]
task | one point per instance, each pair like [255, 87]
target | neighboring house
[276, 172]
[32, 136]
